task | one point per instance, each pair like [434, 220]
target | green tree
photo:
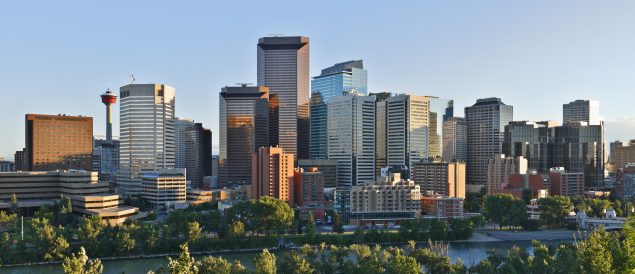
[594, 253]
[265, 263]
[338, 226]
[5, 246]
[14, 209]
[296, 264]
[48, 244]
[517, 261]
[124, 241]
[264, 214]
[7, 220]
[505, 210]
[184, 264]
[89, 230]
[400, 263]
[217, 265]
[80, 264]
[193, 232]
[148, 236]
[236, 230]
[44, 212]
[554, 209]
[311, 229]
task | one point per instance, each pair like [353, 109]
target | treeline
[52, 235]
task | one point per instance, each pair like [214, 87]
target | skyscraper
[581, 111]
[283, 67]
[486, 122]
[351, 138]
[106, 152]
[336, 80]
[381, 153]
[579, 147]
[147, 133]
[455, 140]
[58, 142]
[272, 174]
[244, 127]
[440, 110]
[407, 128]
[193, 150]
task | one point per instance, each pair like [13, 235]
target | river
[469, 252]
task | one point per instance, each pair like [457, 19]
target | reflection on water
[469, 252]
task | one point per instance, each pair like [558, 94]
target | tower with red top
[108, 99]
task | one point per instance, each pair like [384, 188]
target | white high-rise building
[147, 133]
[581, 111]
[407, 128]
[455, 140]
[351, 138]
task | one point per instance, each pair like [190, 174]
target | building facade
[566, 183]
[283, 67]
[308, 187]
[486, 121]
[440, 110]
[623, 155]
[581, 111]
[443, 178]
[147, 133]
[244, 127]
[351, 138]
[454, 140]
[381, 153]
[106, 160]
[164, 188]
[193, 150]
[407, 129]
[58, 142]
[439, 206]
[579, 147]
[500, 167]
[337, 80]
[328, 168]
[41, 185]
[272, 174]
[389, 198]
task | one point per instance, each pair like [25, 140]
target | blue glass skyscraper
[339, 79]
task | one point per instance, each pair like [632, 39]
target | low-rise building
[165, 188]
[388, 199]
[106, 206]
[439, 206]
[566, 183]
[200, 196]
[308, 186]
[6, 166]
[500, 167]
[445, 178]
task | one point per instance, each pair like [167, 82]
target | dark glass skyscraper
[283, 67]
[341, 78]
[244, 127]
[486, 121]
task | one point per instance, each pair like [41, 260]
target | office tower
[389, 199]
[581, 111]
[147, 133]
[566, 183]
[579, 147]
[19, 158]
[283, 67]
[336, 80]
[58, 142]
[193, 150]
[455, 140]
[380, 130]
[308, 187]
[244, 127]
[624, 155]
[5, 166]
[106, 152]
[486, 122]
[443, 178]
[531, 140]
[328, 168]
[440, 110]
[215, 165]
[351, 138]
[272, 174]
[165, 187]
[500, 167]
[407, 129]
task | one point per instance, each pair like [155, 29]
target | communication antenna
[132, 79]
[244, 84]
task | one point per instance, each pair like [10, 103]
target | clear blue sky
[58, 56]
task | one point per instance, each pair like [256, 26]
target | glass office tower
[440, 110]
[283, 67]
[337, 80]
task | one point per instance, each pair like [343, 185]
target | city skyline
[462, 60]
